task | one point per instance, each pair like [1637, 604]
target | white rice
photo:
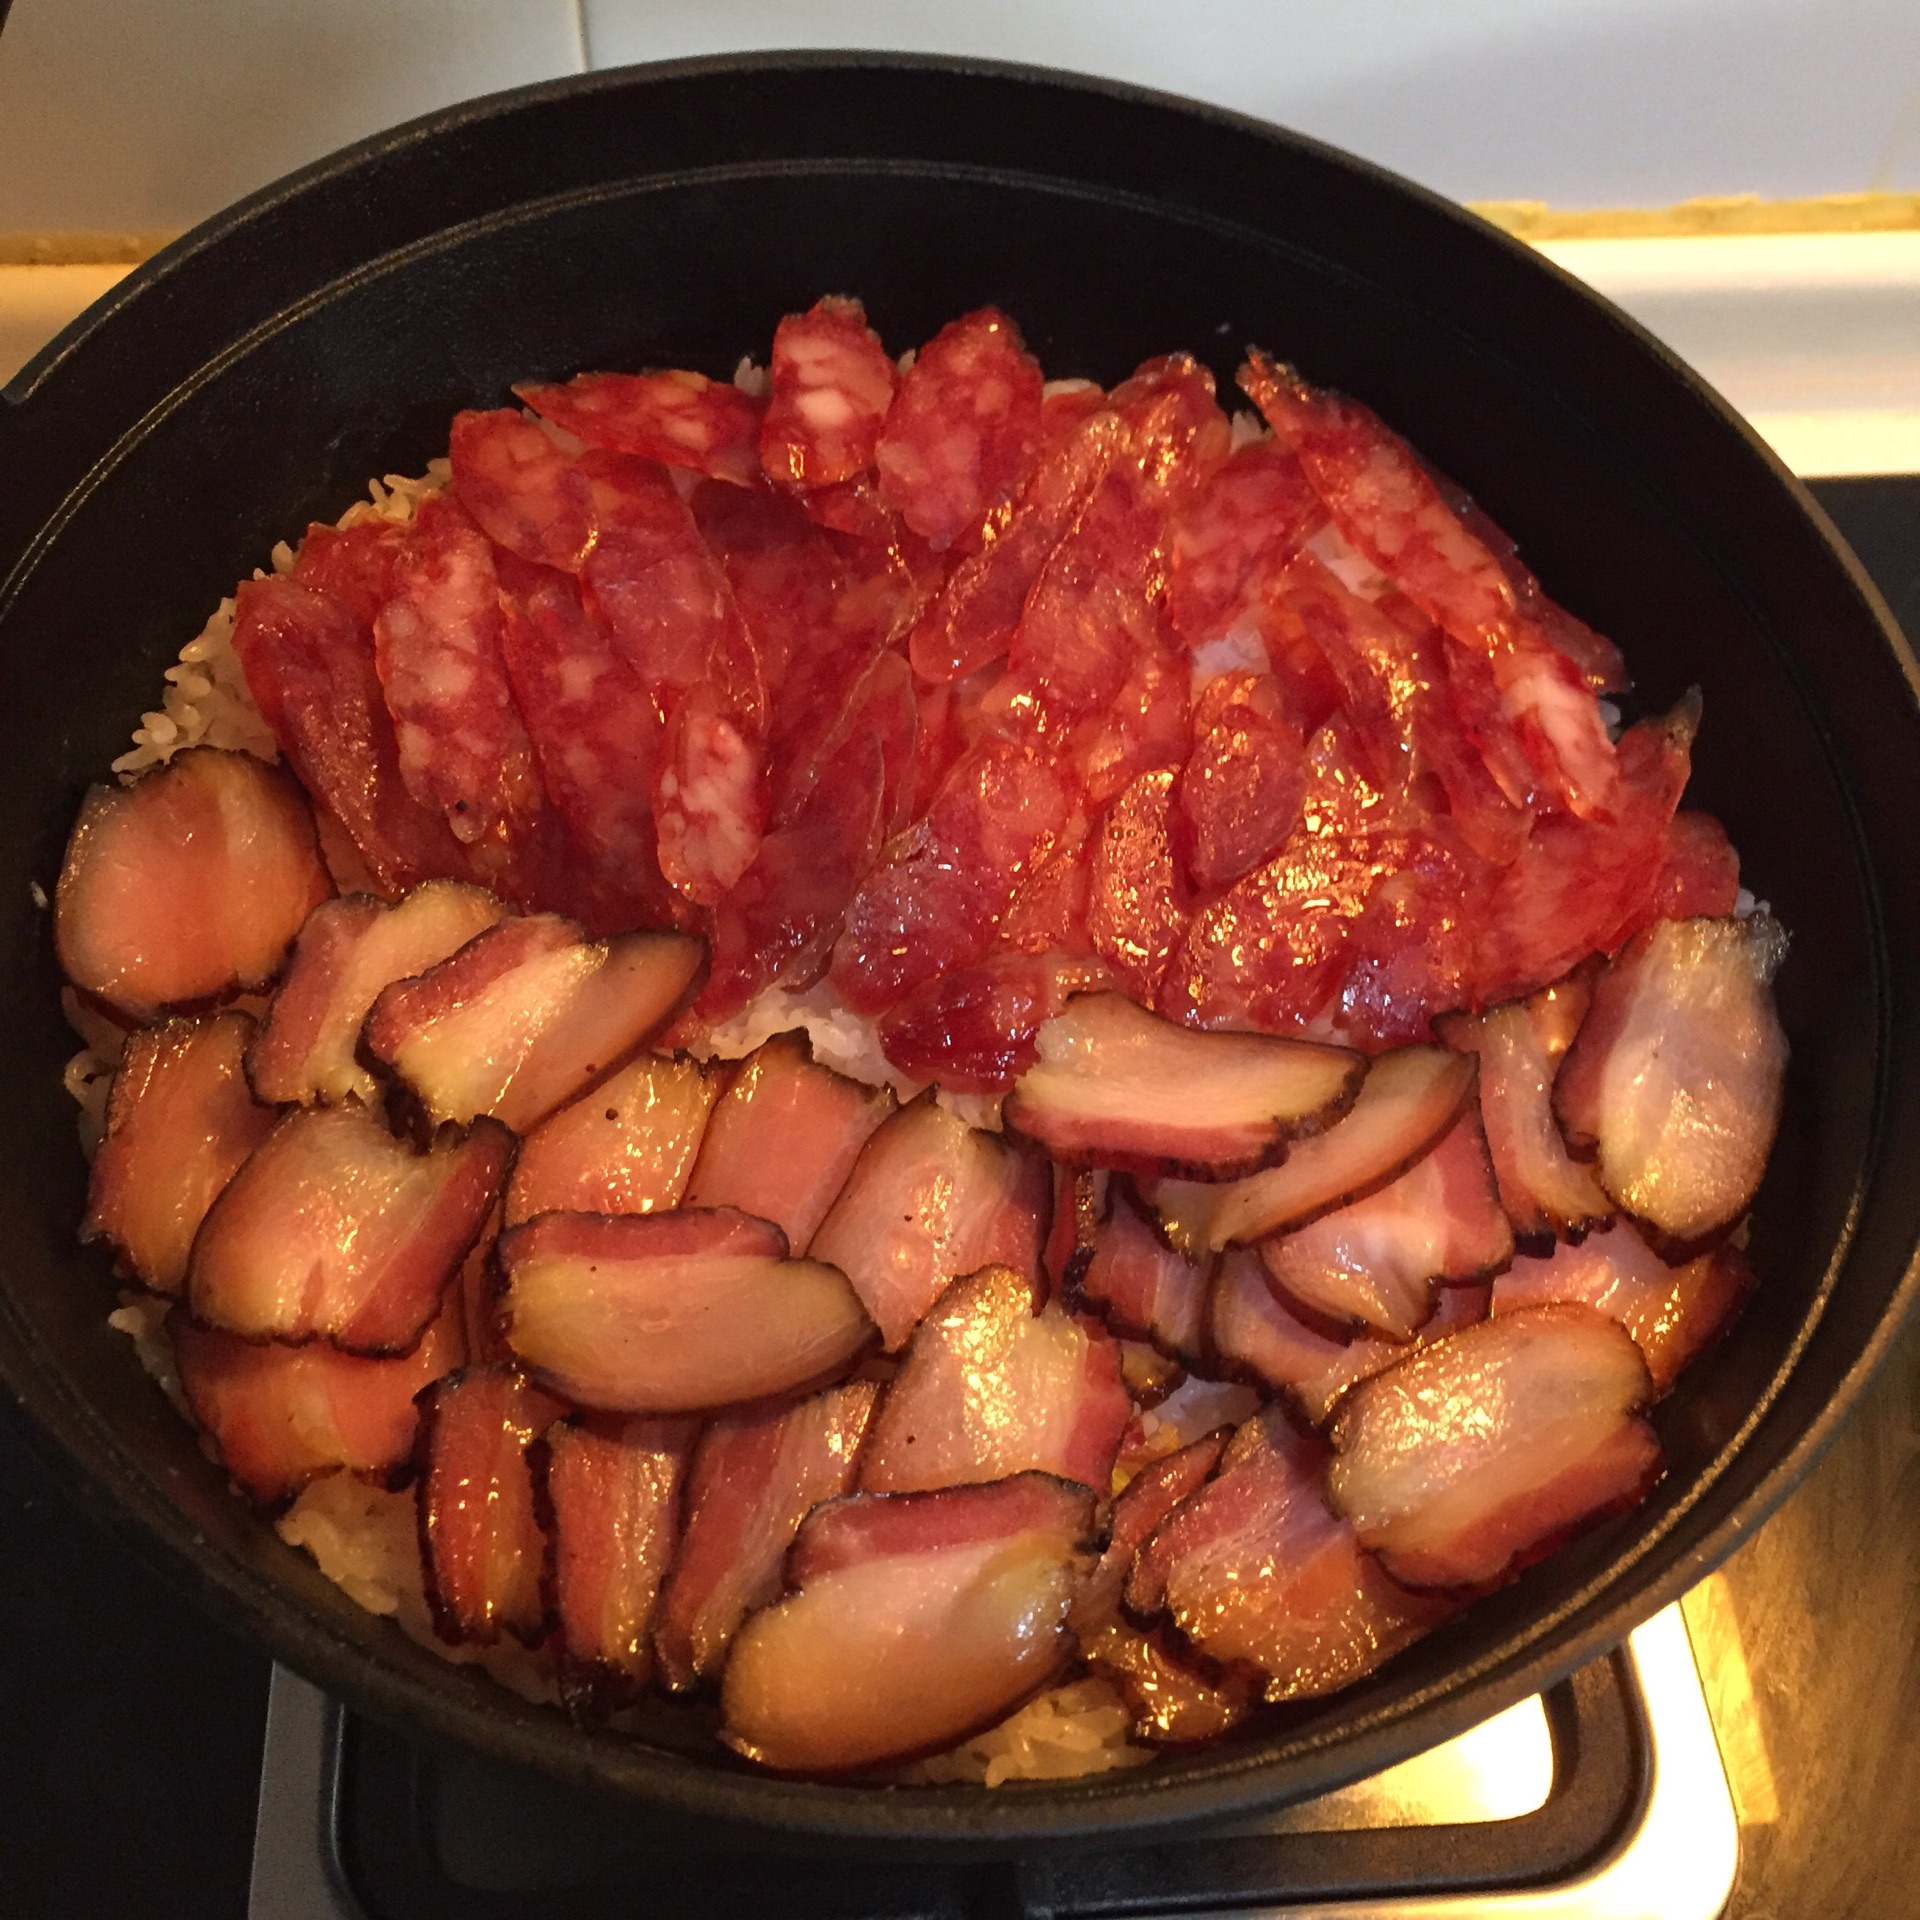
[1062, 1734]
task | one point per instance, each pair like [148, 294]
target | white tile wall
[153, 113]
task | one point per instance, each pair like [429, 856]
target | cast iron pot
[254, 375]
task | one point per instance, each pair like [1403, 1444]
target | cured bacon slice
[680, 418]
[1172, 1702]
[308, 659]
[1486, 1449]
[756, 1476]
[1543, 1189]
[1677, 1075]
[784, 1140]
[191, 882]
[1255, 1568]
[1376, 1263]
[436, 640]
[1117, 1087]
[596, 733]
[1134, 917]
[917, 1618]
[525, 1017]
[1244, 522]
[180, 1124]
[972, 622]
[1142, 1505]
[1194, 1409]
[482, 1547]
[1408, 1101]
[609, 1490]
[1384, 501]
[992, 1385]
[625, 1147]
[928, 1199]
[334, 1229]
[672, 1312]
[964, 428]
[1673, 1313]
[524, 494]
[281, 1416]
[934, 905]
[1144, 1286]
[1699, 871]
[1240, 791]
[1256, 1334]
[831, 384]
[348, 951]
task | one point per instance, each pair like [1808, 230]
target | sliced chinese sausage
[992, 1385]
[672, 1312]
[1672, 1312]
[1407, 1102]
[783, 1141]
[1146, 1500]
[347, 952]
[916, 1619]
[830, 384]
[191, 882]
[756, 1475]
[1118, 1087]
[1143, 1286]
[524, 493]
[930, 1198]
[527, 1016]
[335, 1229]
[1256, 1568]
[679, 418]
[1375, 1264]
[1544, 1190]
[626, 1146]
[180, 1124]
[482, 1547]
[281, 1415]
[1484, 1450]
[609, 1490]
[1675, 1080]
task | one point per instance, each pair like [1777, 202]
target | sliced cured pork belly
[482, 1547]
[1673, 1313]
[914, 1620]
[679, 418]
[991, 1385]
[672, 1312]
[336, 1230]
[1408, 1101]
[1545, 1191]
[609, 1490]
[181, 1122]
[830, 385]
[282, 1415]
[1676, 1079]
[1255, 1568]
[190, 883]
[347, 952]
[1195, 1407]
[1118, 1087]
[1258, 1336]
[1143, 1286]
[930, 1198]
[756, 1475]
[527, 1016]
[785, 1138]
[1484, 1450]
[1375, 1263]
[627, 1146]
[1143, 1504]
[306, 646]
[1173, 1703]
[964, 428]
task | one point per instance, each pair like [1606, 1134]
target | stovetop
[132, 1729]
